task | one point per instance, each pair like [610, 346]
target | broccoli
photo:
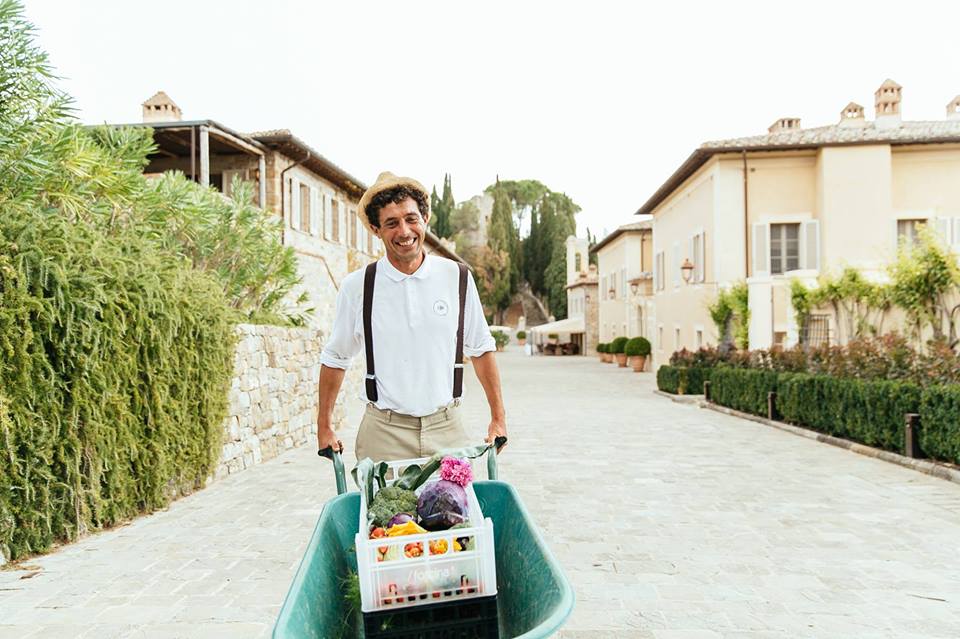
[388, 502]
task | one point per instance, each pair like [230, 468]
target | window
[784, 248]
[352, 224]
[304, 208]
[699, 340]
[315, 212]
[697, 253]
[659, 267]
[576, 262]
[676, 338]
[660, 337]
[294, 203]
[335, 220]
[623, 284]
[908, 231]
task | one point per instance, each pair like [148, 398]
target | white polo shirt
[414, 332]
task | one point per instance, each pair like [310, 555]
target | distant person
[414, 315]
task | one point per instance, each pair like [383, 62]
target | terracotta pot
[622, 360]
[608, 358]
[638, 361]
[600, 356]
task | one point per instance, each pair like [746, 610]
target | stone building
[794, 203]
[317, 201]
[625, 270]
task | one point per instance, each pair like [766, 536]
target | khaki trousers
[386, 435]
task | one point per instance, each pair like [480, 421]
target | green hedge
[940, 423]
[869, 412]
[682, 380]
[116, 362]
[742, 389]
[668, 379]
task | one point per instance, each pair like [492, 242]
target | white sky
[602, 100]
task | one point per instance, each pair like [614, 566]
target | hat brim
[385, 182]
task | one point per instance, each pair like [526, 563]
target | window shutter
[761, 249]
[955, 241]
[343, 231]
[314, 212]
[810, 245]
[692, 250]
[295, 203]
[327, 218]
[703, 257]
[943, 228]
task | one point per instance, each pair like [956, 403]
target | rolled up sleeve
[477, 339]
[345, 342]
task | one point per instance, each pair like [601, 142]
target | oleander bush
[119, 298]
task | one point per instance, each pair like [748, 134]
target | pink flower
[456, 470]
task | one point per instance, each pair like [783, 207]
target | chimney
[784, 125]
[953, 109]
[160, 108]
[852, 116]
[887, 103]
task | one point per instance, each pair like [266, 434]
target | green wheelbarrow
[534, 597]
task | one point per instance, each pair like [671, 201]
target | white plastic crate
[439, 573]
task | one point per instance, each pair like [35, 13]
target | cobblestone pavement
[670, 521]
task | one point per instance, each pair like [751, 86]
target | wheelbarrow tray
[533, 594]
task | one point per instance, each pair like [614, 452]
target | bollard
[706, 389]
[911, 436]
[772, 405]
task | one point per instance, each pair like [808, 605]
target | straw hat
[386, 181]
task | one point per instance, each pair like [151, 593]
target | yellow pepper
[407, 528]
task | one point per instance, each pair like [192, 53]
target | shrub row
[742, 389]
[869, 412]
[682, 380]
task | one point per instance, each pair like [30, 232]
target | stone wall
[273, 398]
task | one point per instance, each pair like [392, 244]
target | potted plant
[608, 353]
[617, 346]
[500, 338]
[638, 349]
[553, 337]
[601, 347]
[521, 337]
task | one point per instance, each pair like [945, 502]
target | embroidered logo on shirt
[440, 307]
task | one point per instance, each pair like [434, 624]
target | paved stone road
[671, 522]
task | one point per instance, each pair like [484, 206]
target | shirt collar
[398, 276]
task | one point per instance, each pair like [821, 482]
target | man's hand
[327, 438]
[497, 428]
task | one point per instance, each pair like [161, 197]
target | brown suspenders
[371, 379]
[368, 279]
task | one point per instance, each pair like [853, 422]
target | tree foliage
[443, 209]
[118, 302]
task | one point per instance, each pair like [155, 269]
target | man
[404, 312]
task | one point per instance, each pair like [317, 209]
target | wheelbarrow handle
[337, 458]
[498, 443]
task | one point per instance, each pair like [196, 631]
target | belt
[402, 419]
